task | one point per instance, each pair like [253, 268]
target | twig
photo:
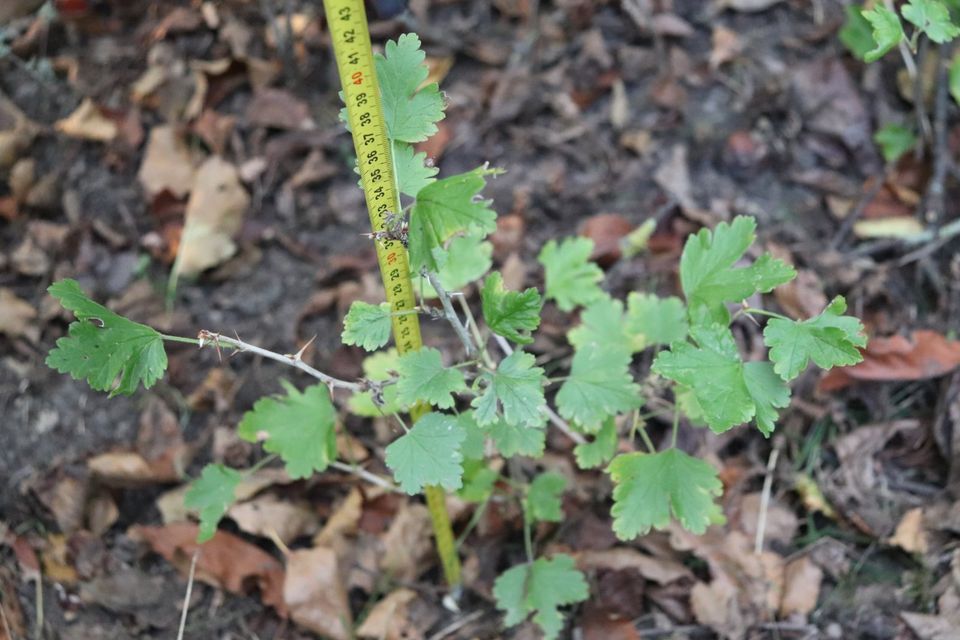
[208, 337]
[932, 206]
[186, 597]
[555, 420]
[450, 313]
[765, 501]
[38, 627]
[362, 473]
[456, 625]
[6, 625]
[854, 214]
[475, 330]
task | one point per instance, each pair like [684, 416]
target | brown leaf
[87, 122]
[911, 534]
[315, 595]
[344, 520]
[214, 215]
[56, 563]
[407, 543]
[225, 561]
[781, 522]
[607, 230]
[167, 164]
[726, 46]
[389, 618]
[151, 599]
[64, 492]
[279, 109]
[931, 627]
[266, 516]
[890, 227]
[16, 132]
[802, 297]
[660, 570]
[17, 317]
[925, 354]
[801, 587]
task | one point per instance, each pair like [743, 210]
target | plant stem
[642, 430]
[676, 426]
[764, 312]
[475, 330]
[443, 534]
[372, 478]
[527, 536]
[451, 313]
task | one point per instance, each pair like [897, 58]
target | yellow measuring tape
[361, 93]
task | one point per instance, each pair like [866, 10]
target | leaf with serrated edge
[540, 588]
[367, 325]
[424, 378]
[830, 339]
[300, 428]
[464, 260]
[933, 18]
[428, 454]
[652, 320]
[212, 494]
[601, 327]
[511, 314]
[649, 487]
[769, 393]
[102, 346]
[544, 497]
[377, 367]
[571, 279]
[887, 31]
[599, 385]
[513, 439]
[591, 455]
[413, 174]
[517, 388]
[410, 111]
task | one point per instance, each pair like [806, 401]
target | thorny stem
[475, 330]
[451, 313]
[555, 420]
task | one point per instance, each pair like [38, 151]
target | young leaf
[714, 372]
[517, 386]
[540, 589]
[511, 314]
[212, 494]
[367, 325]
[543, 497]
[894, 141]
[857, 34]
[652, 320]
[591, 455]
[830, 339]
[649, 487]
[423, 377]
[602, 327]
[446, 208]
[413, 174]
[102, 346]
[411, 113]
[707, 273]
[465, 259]
[377, 368]
[599, 386]
[571, 279]
[768, 392]
[474, 440]
[299, 428]
[428, 454]
[514, 439]
[478, 481]
[932, 17]
[887, 31]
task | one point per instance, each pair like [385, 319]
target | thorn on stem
[298, 356]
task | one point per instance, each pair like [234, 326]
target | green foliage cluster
[499, 403]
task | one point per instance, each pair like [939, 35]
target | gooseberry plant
[490, 399]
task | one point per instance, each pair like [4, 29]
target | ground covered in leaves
[134, 133]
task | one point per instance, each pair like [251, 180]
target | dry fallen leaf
[659, 570]
[214, 215]
[279, 109]
[925, 354]
[16, 132]
[225, 561]
[388, 620]
[267, 515]
[343, 521]
[607, 230]
[801, 587]
[892, 227]
[726, 46]
[781, 522]
[167, 164]
[407, 543]
[746, 6]
[17, 317]
[314, 593]
[87, 122]
[911, 534]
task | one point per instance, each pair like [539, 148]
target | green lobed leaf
[707, 273]
[857, 34]
[424, 378]
[474, 442]
[411, 112]
[516, 389]
[768, 392]
[540, 588]
[894, 141]
[544, 495]
[464, 260]
[511, 314]
[599, 386]
[367, 325]
[602, 327]
[932, 17]
[413, 174]
[428, 454]
[377, 367]
[653, 320]
[591, 455]
[648, 488]
[515, 439]
[571, 279]
[108, 351]
[212, 494]
[478, 481]
[887, 31]
[444, 209]
[300, 428]
[830, 339]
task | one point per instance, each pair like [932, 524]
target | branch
[450, 313]
[294, 360]
[362, 473]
